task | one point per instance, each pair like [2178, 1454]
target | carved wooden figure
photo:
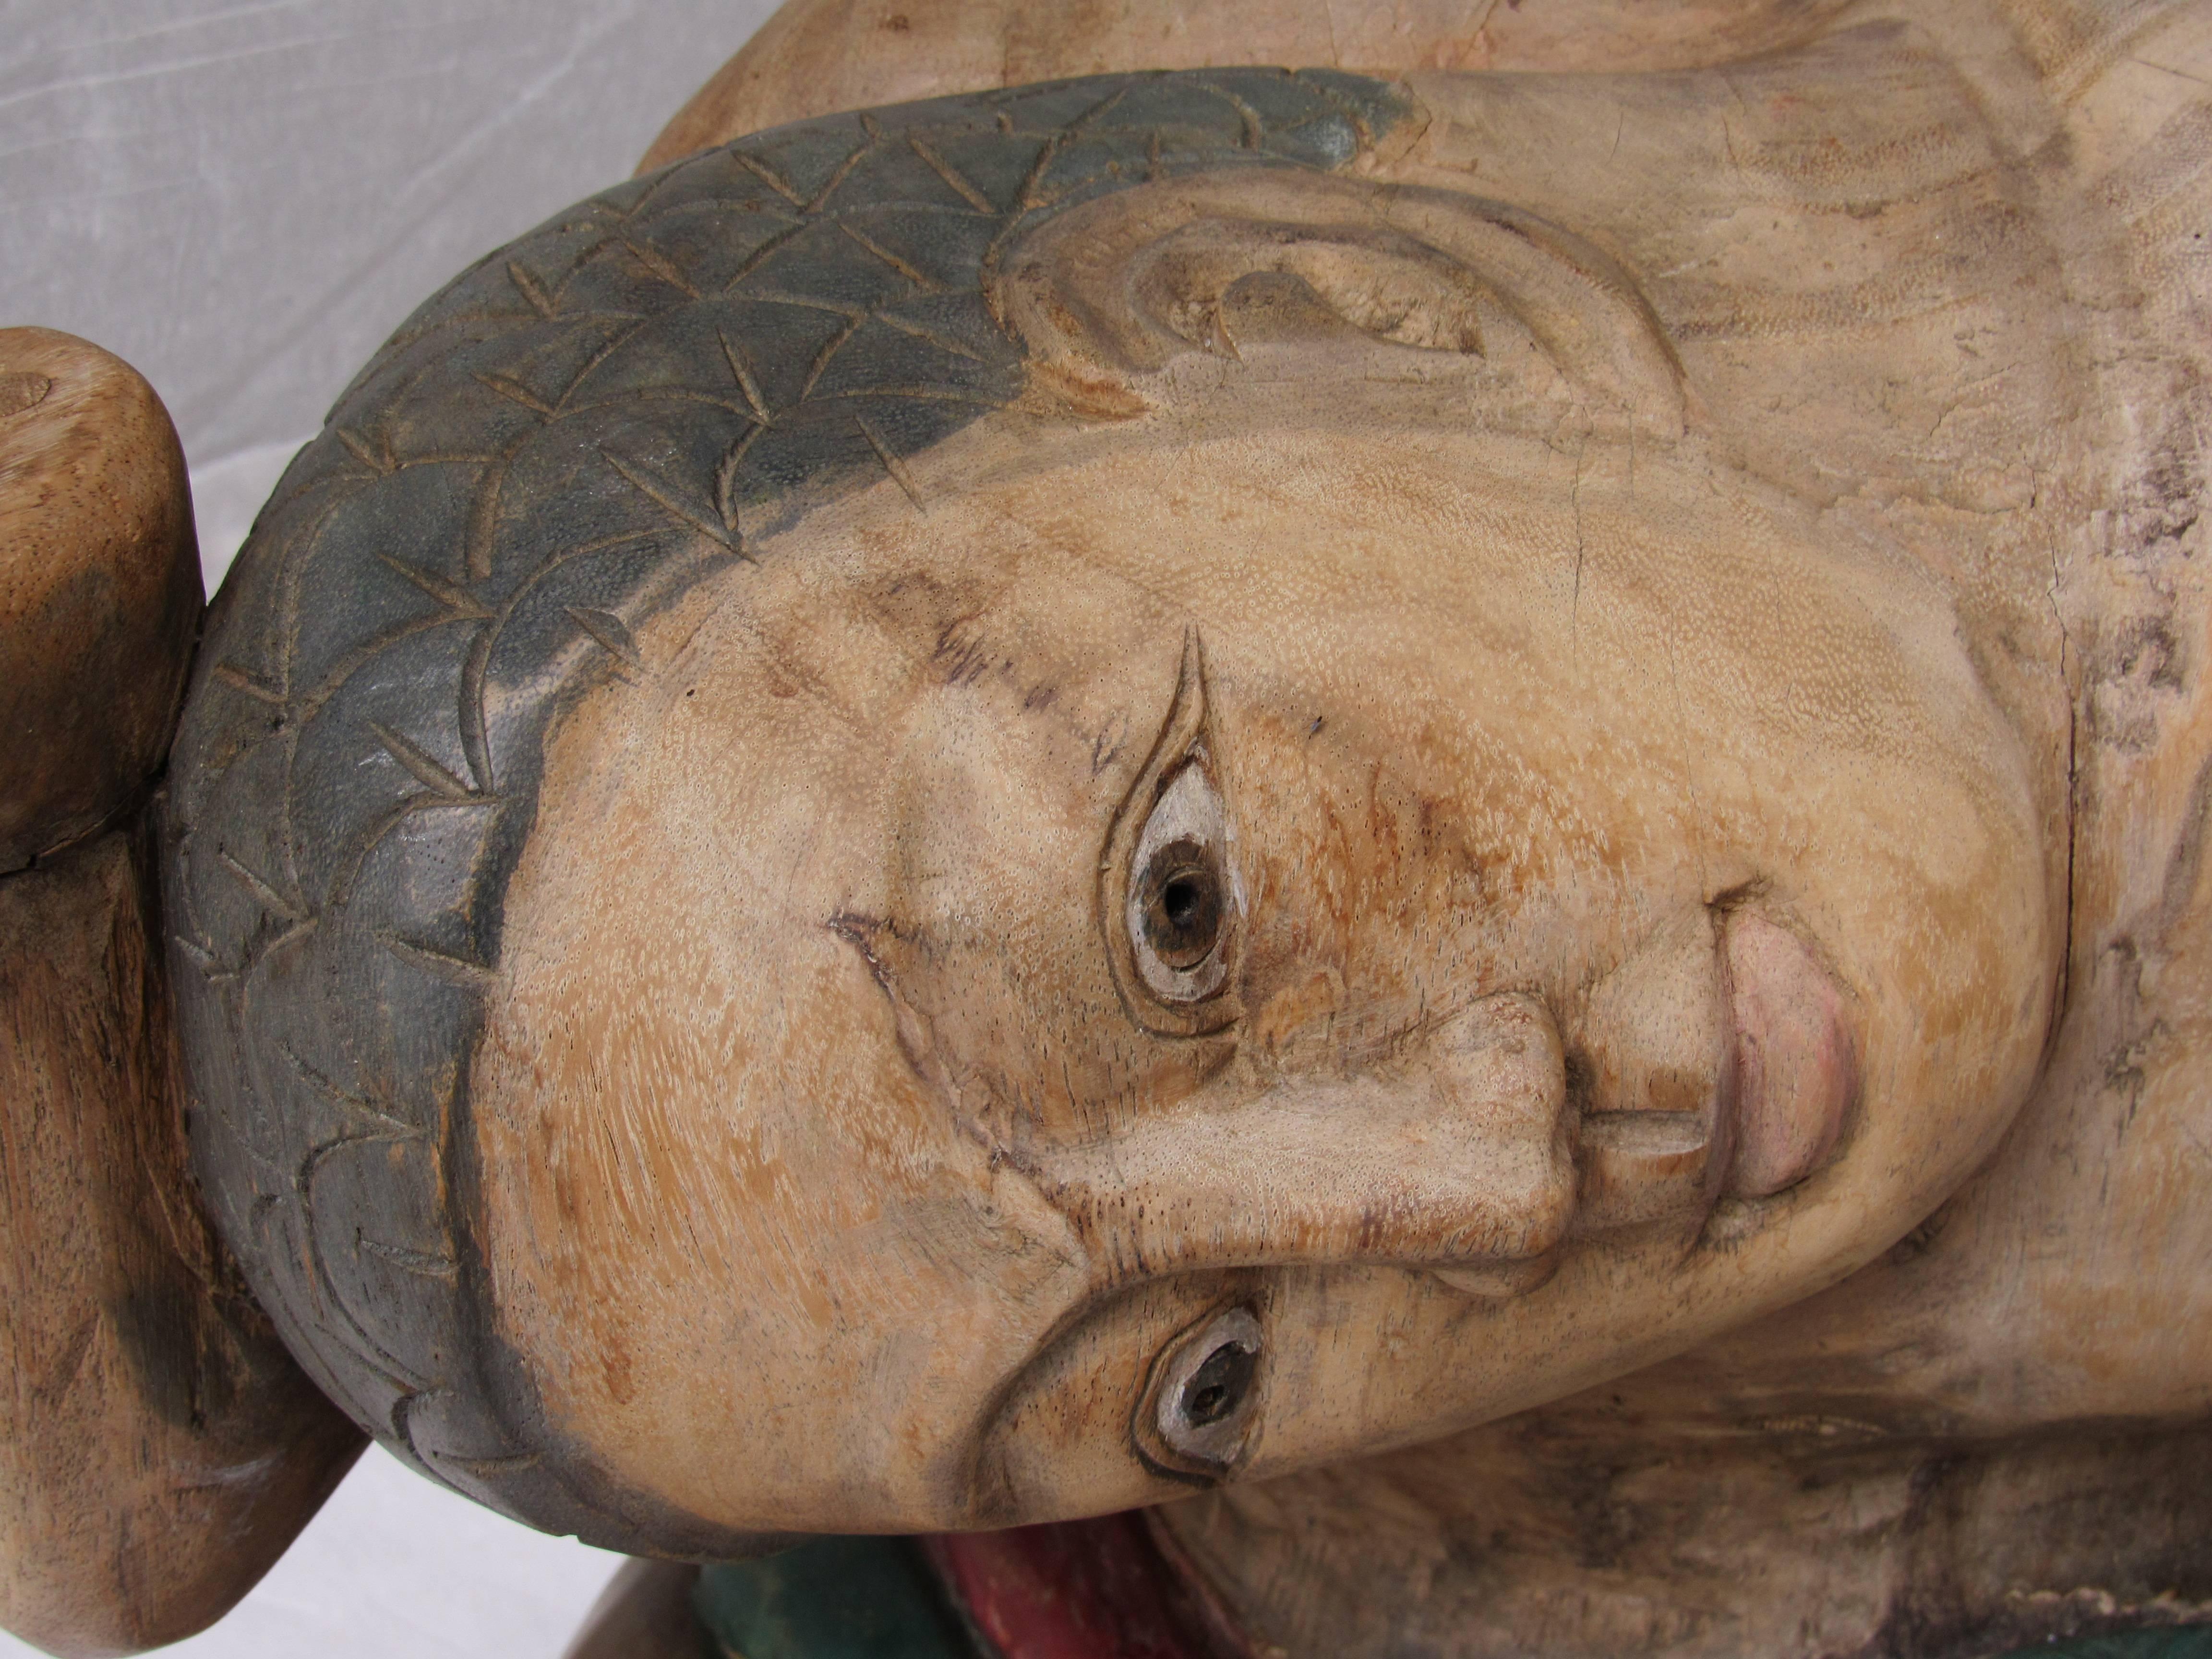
[1396, 857]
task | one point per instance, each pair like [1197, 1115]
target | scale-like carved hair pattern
[594, 417]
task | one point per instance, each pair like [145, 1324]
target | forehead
[1083, 555]
[1363, 566]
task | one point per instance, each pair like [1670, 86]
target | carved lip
[1108, 1588]
[1785, 1085]
[1795, 1061]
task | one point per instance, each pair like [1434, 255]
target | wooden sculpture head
[1000, 950]
[1142, 812]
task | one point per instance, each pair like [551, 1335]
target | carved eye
[1168, 900]
[1180, 906]
[1203, 1401]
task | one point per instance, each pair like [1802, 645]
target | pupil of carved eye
[1181, 899]
[1182, 905]
[1217, 1388]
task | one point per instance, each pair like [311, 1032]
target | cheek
[1380, 895]
[1957, 962]
[754, 1267]
[635, 1117]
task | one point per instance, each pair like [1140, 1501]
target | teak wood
[1447, 809]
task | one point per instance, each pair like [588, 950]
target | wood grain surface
[158, 1447]
[100, 588]
[814, 56]
[645, 1613]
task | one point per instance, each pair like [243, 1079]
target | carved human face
[1224, 943]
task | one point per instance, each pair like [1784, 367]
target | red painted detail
[1081, 1589]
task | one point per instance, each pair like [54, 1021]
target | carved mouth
[1116, 1587]
[1784, 1079]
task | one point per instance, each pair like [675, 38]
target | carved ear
[1106, 294]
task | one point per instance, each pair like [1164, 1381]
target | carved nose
[1457, 1158]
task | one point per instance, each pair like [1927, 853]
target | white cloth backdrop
[243, 198]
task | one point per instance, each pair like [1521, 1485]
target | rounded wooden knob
[100, 588]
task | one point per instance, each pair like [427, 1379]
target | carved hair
[597, 416]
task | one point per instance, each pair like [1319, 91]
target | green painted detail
[2171, 1642]
[836, 1598]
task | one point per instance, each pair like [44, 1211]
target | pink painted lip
[1796, 1064]
[1111, 1588]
